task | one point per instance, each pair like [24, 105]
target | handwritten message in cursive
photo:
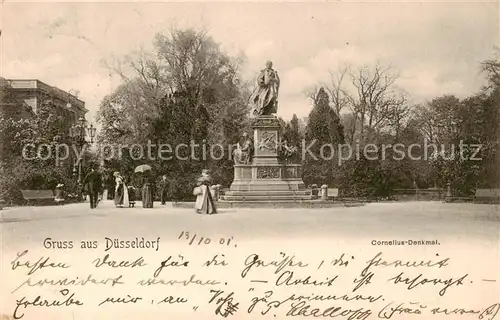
[216, 277]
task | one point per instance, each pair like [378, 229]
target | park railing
[431, 194]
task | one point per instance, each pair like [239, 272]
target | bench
[43, 196]
[487, 196]
[333, 193]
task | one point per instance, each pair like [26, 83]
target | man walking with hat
[93, 185]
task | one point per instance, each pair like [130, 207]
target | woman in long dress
[126, 197]
[204, 202]
[121, 191]
[147, 191]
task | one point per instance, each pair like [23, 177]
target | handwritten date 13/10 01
[195, 239]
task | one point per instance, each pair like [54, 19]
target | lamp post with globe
[79, 132]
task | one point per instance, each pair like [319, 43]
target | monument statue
[243, 152]
[264, 99]
[259, 173]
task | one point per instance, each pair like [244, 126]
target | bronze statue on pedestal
[264, 99]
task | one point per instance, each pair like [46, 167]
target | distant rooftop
[40, 85]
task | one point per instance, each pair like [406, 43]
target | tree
[372, 99]
[324, 123]
[490, 171]
[492, 70]
[338, 94]
[373, 111]
[28, 170]
[438, 119]
[293, 134]
[325, 132]
[194, 63]
[186, 90]
[457, 128]
[127, 114]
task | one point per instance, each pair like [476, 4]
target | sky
[436, 48]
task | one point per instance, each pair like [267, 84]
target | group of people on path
[125, 196]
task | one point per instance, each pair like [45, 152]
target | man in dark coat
[163, 189]
[93, 185]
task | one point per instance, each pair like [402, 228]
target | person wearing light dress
[204, 202]
[121, 191]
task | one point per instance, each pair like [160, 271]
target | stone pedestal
[266, 140]
[266, 179]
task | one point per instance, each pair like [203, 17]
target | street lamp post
[79, 132]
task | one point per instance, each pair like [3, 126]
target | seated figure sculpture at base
[243, 152]
[287, 152]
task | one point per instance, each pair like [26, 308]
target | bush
[23, 175]
[365, 178]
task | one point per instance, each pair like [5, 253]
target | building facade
[22, 98]
[35, 92]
